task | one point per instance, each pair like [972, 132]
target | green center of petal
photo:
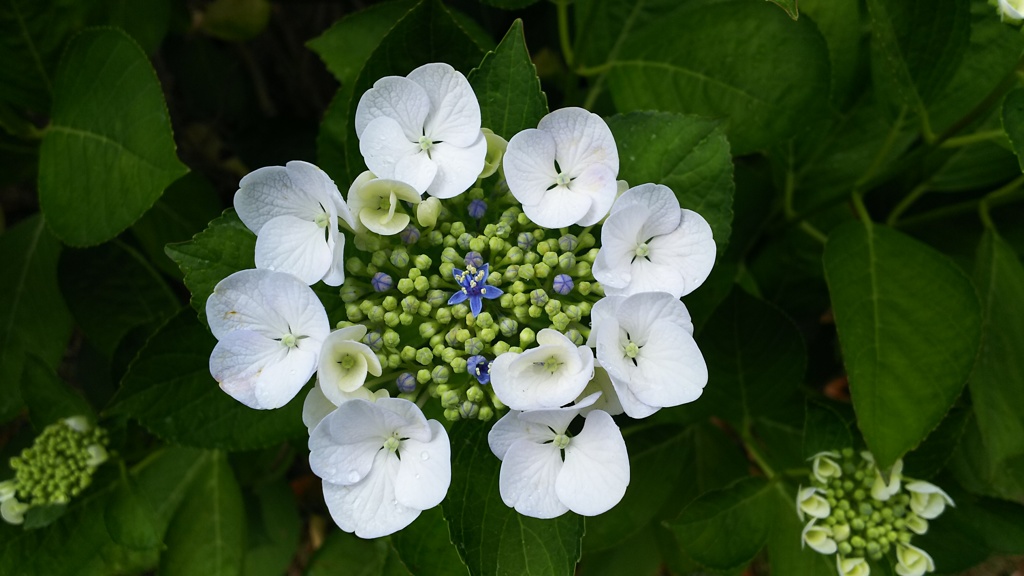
[289, 340]
[562, 179]
[425, 143]
[347, 362]
[642, 250]
[322, 219]
[392, 444]
[561, 441]
[552, 364]
[631, 350]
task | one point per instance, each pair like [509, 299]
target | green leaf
[188, 205]
[207, 534]
[130, 520]
[349, 42]
[274, 528]
[789, 6]
[112, 289]
[1013, 121]
[755, 356]
[726, 528]
[146, 22]
[638, 555]
[48, 398]
[974, 167]
[225, 247]
[743, 61]
[825, 430]
[33, 317]
[343, 553]
[491, 537]
[916, 47]
[997, 384]
[510, 4]
[688, 154]
[426, 548]
[932, 454]
[839, 22]
[953, 540]
[169, 390]
[108, 153]
[787, 553]
[507, 86]
[972, 467]
[906, 362]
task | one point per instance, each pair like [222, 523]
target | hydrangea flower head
[294, 211]
[563, 172]
[269, 328]
[423, 129]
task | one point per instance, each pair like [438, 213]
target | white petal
[238, 303]
[596, 470]
[510, 429]
[341, 463]
[297, 247]
[819, 538]
[299, 307]
[335, 275]
[281, 381]
[598, 183]
[557, 419]
[602, 316]
[526, 481]
[384, 148]
[337, 347]
[315, 408]
[670, 369]
[632, 405]
[582, 139]
[414, 424]
[299, 189]
[609, 399]
[560, 207]
[418, 170]
[425, 471]
[370, 508]
[397, 98]
[927, 500]
[689, 251]
[657, 201]
[529, 165]
[239, 359]
[525, 382]
[457, 168]
[638, 313]
[620, 236]
[454, 110]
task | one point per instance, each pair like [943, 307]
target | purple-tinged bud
[406, 382]
[568, 243]
[381, 282]
[374, 339]
[562, 284]
[480, 368]
[525, 241]
[477, 208]
[474, 259]
[410, 235]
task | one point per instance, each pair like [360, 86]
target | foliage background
[858, 161]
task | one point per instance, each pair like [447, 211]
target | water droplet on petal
[353, 476]
[424, 456]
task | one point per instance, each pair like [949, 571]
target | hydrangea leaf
[491, 537]
[426, 548]
[274, 526]
[726, 528]
[835, 19]
[207, 534]
[33, 316]
[169, 390]
[756, 359]
[930, 457]
[688, 154]
[48, 397]
[108, 153]
[1013, 122]
[344, 553]
[789, 6]
[824, 430]
[508, 88]
[742, 61]
[906, 363]
[225, 247]
[997, 384]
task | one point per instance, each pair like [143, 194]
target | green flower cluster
[57, 467]
[401, 293]
[858, 514]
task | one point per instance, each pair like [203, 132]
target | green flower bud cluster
[57, 467]
[399, 288]
[854, 511]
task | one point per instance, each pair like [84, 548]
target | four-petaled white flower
[382, 463]
[645, 343]
[563, 172]
[316, 406]
[270, 327]
[819, 538]
[294, 211]
[927, 500]
[344, 363]
[423, 129]
[649, 244]
[810, 501]
[824, 466]
[912, 561]
[852, 566]
[545, 472]
[548, 376]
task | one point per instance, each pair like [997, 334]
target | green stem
[1006, 195]
[969, 139]
[862, 210]
[883, 152]
[906, 202]
[813, 232]
[755, 455]
[563, 33]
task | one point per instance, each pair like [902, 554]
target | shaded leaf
[786, 552]
[426, 548]
[49, 398]
[825, 430]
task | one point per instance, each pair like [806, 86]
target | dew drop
[353, 476]
[424, 456]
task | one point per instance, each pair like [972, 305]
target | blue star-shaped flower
[479, 367]
[473, 287]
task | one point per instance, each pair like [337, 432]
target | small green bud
[391, 319]
[526, 272]
[379, 258]
[428, 329]
[553, 307]
[475, 394]
[449, 354]
[474, 346]
[353, 313]
[406, 319]
[440, 374]
[458, 365]
[531, 257]
[376, 314]
[560, 321]
[423, 376]
[527, 337]
[520, 299]
[484, 320]
[496, 245]
[535, 311]
[355, 266]
[408, 353]
[451, 414]
[515, 255]
[468, 410]
[487, 334]
[424, 357]
[499, 348]
[450, 398]
[543, 248]
[443, 315]
[486, 413]
[399, 257]
[427, 212]
[405, 286]
[394, 361]
[542, 270]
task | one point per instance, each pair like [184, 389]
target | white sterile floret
[852, 566]
[1011, 10]
[270, 327]
[819, 538]
[382, 463]
[649, 244]
[376, 204]
[294, 211]
[548, 376]
[345, 362]
[912, 561]
[538, 480]
[809, 501]
[316, 406]
[824, 466]
[880, 489]
[645, 343]
[563, 172]
[423, 129]
[927, 500]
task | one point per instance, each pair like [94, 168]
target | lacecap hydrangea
[517, 281]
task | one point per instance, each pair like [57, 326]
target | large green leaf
[33, 317]
[507, 86]
[997, 384]
[689, 154]
[916, 47]
[1013, 122]
[426, 548]
[168, 388]
[49, 398]
[108, 153]
[492, 538]
[207, 534]
[225, 247]
[726, 528]
[756, 359]
[343, 553]
[824, 430]
[839, 23]
[274, 527]
[742, 61]
[112, 289]
[909, 326]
